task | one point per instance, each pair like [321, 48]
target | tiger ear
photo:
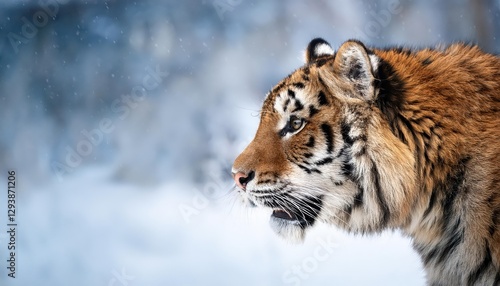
[317, 48]
[354, 63]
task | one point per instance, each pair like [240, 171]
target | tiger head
[324, 149]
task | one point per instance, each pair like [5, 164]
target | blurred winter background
[122, 118]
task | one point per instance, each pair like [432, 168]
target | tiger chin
[372, 139]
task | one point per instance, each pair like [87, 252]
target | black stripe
[325, 161]
[426, 61]
[405, 123]
[429, 256]
[453, 186]
[384, 208]
[419, 120]
[308, 170]
[322, 82]
[304, 168]
[322, 98]
[399, 133]
[432, 202]
[295, 158]
[361, 152]
[291, 93]
[497, 279]
[483, 267]
[347, 168]
[278, 87]
[305, 163]
[455, 238]
[345, 129]
[321, 61]
[312, 110]
[298, 106]
[448, 207]
[327, 131]
[299, 85]
[311, 142]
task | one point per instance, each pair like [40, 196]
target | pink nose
[242, 179]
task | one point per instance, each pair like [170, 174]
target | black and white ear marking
[357, 66]
[317, 48]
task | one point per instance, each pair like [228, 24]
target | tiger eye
[296, 123]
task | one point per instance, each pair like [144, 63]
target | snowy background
[122, 119]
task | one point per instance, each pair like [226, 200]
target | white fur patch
[323, 49]
[374, 60]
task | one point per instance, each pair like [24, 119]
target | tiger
[370, 139]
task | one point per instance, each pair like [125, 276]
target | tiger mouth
[290, 221]
[290, 215]
[284, 215]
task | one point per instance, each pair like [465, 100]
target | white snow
[90, 230]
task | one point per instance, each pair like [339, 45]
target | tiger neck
[440, 175]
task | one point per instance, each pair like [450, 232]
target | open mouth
[290, 222]
[285, 215]
[288, 225]
[288, 215]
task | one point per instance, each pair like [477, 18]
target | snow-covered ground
[90, 230]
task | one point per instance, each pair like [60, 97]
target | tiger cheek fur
[372, 139]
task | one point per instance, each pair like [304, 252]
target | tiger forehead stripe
[298, 105]
[292, 99]
[298, 85]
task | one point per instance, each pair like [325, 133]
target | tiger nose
[242, 179]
